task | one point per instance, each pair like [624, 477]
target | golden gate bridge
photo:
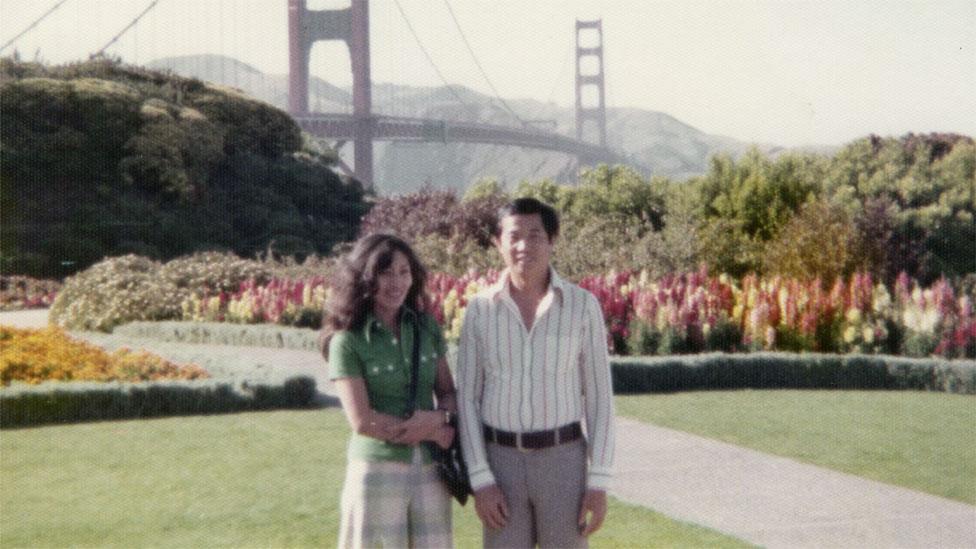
[363, 126]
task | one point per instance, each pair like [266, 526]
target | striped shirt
[522, 380]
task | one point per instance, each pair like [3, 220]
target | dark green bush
[725, 336]
[790, 371]
[99, 159]
[919, 344]
[68, 403]
[644, 339]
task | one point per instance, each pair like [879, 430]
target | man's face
[524, 244]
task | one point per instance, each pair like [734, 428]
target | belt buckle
[518, 444]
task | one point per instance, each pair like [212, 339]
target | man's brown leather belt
[534, 440]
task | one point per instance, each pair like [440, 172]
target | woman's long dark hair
[355, 284]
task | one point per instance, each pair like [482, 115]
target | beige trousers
[388, 504]
[543, 490]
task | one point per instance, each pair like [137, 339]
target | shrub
[724, 336]
[33, 356]
[208, 273]
[204, 286]
[597, 245]
[135, 161]
[643, 339]
[59, 403]
[790, 371]
[428, 213]
[114, 291]
[455, 255]
[818, 242]
[920, 345]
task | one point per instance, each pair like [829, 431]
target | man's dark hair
[529, 206]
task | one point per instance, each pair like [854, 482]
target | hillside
[101, 159]
[667, 145]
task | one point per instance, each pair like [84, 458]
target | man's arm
[471, 375]
[489, 501]
[598, 404]
[598, 397]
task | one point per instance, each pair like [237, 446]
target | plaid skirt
[394, 505]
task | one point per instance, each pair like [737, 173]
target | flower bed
[24, 292]
[280, 301]
[676, 314]
[853, 315]
[34, 356]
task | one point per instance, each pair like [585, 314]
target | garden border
[69, 402]
[790, 371]
[763, 370]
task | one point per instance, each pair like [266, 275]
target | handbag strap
[414, 368]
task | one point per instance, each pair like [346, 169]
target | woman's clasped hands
[423, 425]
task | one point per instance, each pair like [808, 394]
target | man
[533, 363]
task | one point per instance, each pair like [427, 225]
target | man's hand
[594, 504]
[489, 502]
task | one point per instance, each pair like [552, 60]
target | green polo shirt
[383, 361]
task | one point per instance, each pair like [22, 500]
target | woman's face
[393, 284]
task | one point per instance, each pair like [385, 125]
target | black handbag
[448, 462]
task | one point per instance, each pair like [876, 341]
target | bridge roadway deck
[389, 128]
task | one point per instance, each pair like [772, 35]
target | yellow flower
[33, 356]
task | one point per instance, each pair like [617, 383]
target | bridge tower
[590, 113]
[351, 25]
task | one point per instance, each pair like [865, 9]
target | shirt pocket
[384, 378]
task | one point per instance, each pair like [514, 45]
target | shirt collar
[556, 283]
[373, 323]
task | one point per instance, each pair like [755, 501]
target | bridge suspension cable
[127, 27]
[478, 64]
[430, 59]
[32, 25]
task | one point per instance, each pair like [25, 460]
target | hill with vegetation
[666, 145]
[99, 158]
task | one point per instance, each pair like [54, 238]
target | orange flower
[33, 356]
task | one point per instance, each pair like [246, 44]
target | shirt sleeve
[471, 377]
[598, 396]
[343, 359]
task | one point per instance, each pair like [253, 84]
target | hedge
[765, 370]
[790, 371]
[53, 402]
[222, 333]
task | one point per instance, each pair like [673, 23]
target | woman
[392, 496]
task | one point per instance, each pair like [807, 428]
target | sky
[771, 72]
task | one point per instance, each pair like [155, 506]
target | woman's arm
[431, 424]
[444, 387]
[363, 419]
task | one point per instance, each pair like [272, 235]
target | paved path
[777, 502]
[32, 318]
[763, 499]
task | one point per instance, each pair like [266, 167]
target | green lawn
[924, 441]
[247, 480]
